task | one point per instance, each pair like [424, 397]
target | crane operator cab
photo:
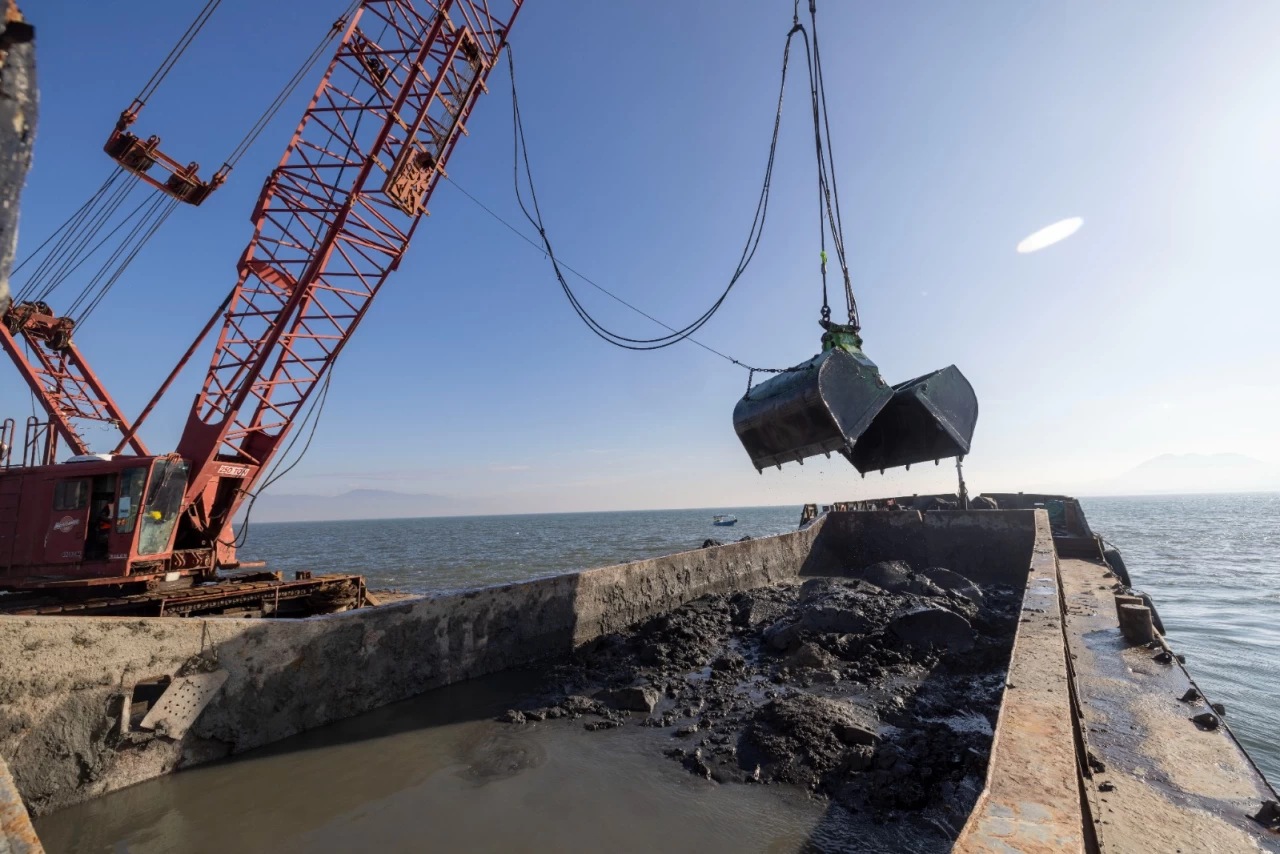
[95, 516]
[837, 401]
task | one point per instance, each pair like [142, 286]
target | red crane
[332, 222]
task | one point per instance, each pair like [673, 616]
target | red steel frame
[60, 377]
[333, 221]
[139, 156]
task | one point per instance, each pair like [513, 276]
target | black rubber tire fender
[1112, 556]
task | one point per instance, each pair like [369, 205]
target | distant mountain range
[1168, 473]
[1183, 473]
[355, 504]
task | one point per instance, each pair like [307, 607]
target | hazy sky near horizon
[960, 129]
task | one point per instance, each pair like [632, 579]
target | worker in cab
[103, 524]
[99, 533]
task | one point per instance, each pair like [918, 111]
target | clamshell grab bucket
[820, 406]
[929, 418]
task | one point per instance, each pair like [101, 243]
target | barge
[1101, 740]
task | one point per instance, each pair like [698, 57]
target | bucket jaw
[819, 406]
[929, 418]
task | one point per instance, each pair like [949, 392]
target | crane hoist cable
[748, 252]
[184, 42]
[77, 213]
[828, 199]
[828, 192]
[538, 246]
[70, 240]
[76, 258]
[298, 76]
[111, 271]
[70, 234]
[315, 409]
[593, 283]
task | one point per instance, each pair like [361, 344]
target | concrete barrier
[73, 690]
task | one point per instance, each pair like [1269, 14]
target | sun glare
[1050, 235]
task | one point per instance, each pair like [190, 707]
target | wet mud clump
[878, 689]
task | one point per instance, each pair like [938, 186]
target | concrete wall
[64, 680]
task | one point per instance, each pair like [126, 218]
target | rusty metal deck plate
[1157, 781]
[1031, 802]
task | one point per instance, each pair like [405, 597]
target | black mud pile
[879, 690]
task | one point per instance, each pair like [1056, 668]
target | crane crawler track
[262, 594]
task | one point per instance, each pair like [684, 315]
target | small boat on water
[724, 520]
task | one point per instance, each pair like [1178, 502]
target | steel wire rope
[170, 205]
[828, 210]
[294, 218]
[175, 53]
[87, 293]
[298, 76]
[838, 224]
[529, 240]
[72, 255]
[89, 213]
[275, 474]
[535, 219]
[85, 256]
[66, 222]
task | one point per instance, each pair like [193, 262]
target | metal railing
[39, 443]
[6, 442]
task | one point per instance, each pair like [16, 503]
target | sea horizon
[1080, 497]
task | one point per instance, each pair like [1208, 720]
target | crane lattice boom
[334, 219]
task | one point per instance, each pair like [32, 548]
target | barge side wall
[64, 681]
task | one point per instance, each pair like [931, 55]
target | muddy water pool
[437, 773]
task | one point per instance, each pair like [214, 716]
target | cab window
[132, 482]
[71, 495]
[164, 501]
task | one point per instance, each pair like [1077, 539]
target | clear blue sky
[960, 129]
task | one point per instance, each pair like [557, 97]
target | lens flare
[1050, 235]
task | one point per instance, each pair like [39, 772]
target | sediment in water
[879, 689]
